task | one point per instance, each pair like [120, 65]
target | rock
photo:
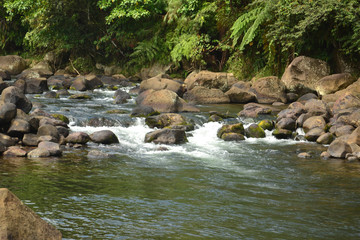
[3, 85]
[333, 83]
[304, 155]
[12, 64]
[233, 137]
[7, 112]
[159, 83]
[79, 84]
[166, 136]
[143, 111]
[203, 95]
[168, 120]
[352, 89]
[30, 139]
[53, 148]
[167, 101]
[339, 149]
[313, 134]
[207, 79]
[33, 73]
[253, 110]
[15, 96]
[19, 222]
[306, 97]
[60, 117]
[5, 75]
[14, 151]
[97, 154]
[325, 155]
[266, 124]
[325, 138]
[240, 95]
[92, 82]
[269, 90]
[48, 130]
[51, 94]
[354, 137]
[254, 131]
[286, 123]
[282, 133]
[144, 95]
[80, 96]
[353, 118]
[104, 137]
[53, 121]
[345, 102]
[77, 137]
[39, 153]
[115, 81]
[231, 128]
[316, 107]
[18, 128]
[303, 73]
[153, 71]
[292, 97]
[7, 141]
[302, 118]
[314, 122]
[56, 82]
[36, 86]
[344, 130]
[100, 122]
[292, 113]
[62, 92]
[2, 148]
[121, 96]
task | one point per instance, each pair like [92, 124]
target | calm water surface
[205, 189]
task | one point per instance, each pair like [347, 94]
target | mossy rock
[80, 96]
[116, 111]
[233, 137]
[222, 115]
[282, 133]
[266, 124]
[254, 131]
[153, 122]
[114, 88]
[233, 128]
[61, 117]
[215, 118]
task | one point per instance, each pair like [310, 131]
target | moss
[266, 124]
[254, 131]
[234, 128]
[215, 118]
[282, 133]
[232, 137]
[61, 117]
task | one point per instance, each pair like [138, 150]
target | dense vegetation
[247, 37]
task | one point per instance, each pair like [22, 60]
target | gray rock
[339, 149]
[48, 130]
[286, 123]
[104, 137]
[77, 138]
[30, 139]
[53, 148]
[18, 128]
[7, 112]
[166, 136]
[14, 95]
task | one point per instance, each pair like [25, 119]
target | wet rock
[80, 96]
[304, 155]
[53, 148]
[19, 222]
[7, 141]
[121, 96]
[48, 130]
[18, 128]
[254, 131]
[314, 122]
[339, 149]
[286, 123]
[166, 136]
[303, 73]
[266, 124]
[325, 138]
[333, 83]
[231, 128]
[39, 153]
[30, 139]
[117, 111]
[167, 101]
[232, 137]
[269, 90]
[217, 80]
[253, 110]
[36, 86]
[56, 82]
[7, 112]
[64, 131]
[104, 137]
[159, 83]
[100, 122]
[77, 137]
[62, 92]
[115, 81]
[143, 111]
[15, 96]
[215, 118]
[282, 134]
[240, 95]
[60, 117]
[203, 95]
[14, 151]
[12, 64]
[168, 120]
[92, 82]
[313, 134]
[51, 94]
[325, 155]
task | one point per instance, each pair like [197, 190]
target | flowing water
[204, 189]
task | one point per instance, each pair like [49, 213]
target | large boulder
[333, 83]
[36, 86]
[203, 95]
[143, 111]
[18, 128]
[48, 130]
[14, 95]
[166, 136]
[253, 110]
[347, 101]
[218, 80]
[269, 90]
[286, 123]
[354, 89]
[53, 148]
[12, 64]
[254, 131]
[313, 134]
[7, 112]
[19, 222]
[237, 128]
[168, 120]
[354, 137]
[303, 73]
[158, 83]
[167, 101]
[314, 122]
[240, 95]
[104, 137]
[34, 73]
[339, 149]
[77, 138]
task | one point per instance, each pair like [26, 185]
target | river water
[204, 189]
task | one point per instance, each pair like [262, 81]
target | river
[204, 189]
